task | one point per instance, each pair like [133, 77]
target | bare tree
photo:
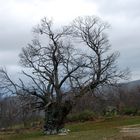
[56, 63]
[52, 63]
[91, 32]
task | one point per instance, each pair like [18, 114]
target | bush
[129, 111]
[138, 112]
[82, 116]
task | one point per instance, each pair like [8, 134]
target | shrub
[81, 116]
[129, 111]
[138, 112]
[110, 111]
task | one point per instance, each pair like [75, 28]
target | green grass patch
[22, 135]
[91, 130]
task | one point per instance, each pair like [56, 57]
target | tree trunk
[55, 115]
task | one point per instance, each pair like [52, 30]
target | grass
[100, 130]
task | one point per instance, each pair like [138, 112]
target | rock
[62, 134]
[62, 131]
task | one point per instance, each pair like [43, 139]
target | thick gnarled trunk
[55, 115]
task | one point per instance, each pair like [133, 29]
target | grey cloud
[8, 58]
[123, 15]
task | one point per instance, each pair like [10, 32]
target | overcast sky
[18, 17]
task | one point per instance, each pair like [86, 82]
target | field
[118, 128]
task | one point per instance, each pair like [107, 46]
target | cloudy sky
[17, 17]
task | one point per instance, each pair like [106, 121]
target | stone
[62, 134]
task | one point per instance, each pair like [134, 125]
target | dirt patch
[131, 132]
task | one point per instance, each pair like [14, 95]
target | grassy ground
[103, 130]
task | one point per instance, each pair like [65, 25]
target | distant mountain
[132, 84]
